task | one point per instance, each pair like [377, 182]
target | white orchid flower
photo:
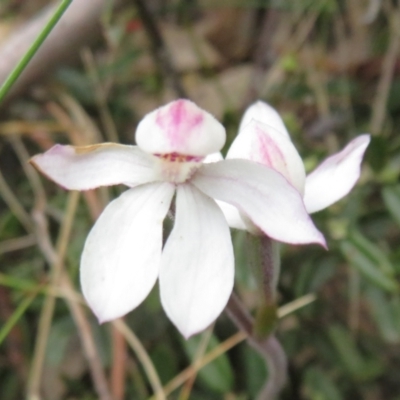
[263, 138]
[123, 255]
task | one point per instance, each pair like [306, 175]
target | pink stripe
[268, 151]
[180, 121]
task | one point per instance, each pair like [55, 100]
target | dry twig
[160, 51]
[54, 258]
[385, 81]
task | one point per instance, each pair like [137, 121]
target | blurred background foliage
[332, 69]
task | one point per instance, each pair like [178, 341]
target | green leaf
[60, 334]
[311, 279]
[254, 370]
[320, 386]
[165, 362]
[352, 361]
[10, 386]
[372, 251]
[386, 314]
[370, 269]
[218, 375]
[391, 197]
[377, 154]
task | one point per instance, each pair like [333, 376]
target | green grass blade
[9, 82]
[17, 314]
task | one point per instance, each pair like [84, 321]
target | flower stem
[9, 82]
[264, 259]
[270, 265]
[265, 263]
[269, 348]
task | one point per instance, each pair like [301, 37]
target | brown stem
[77, 311]
[379, 107]
[264, 260]
[55, 259]
[88, 343]
[270, 265]
[160, 50]
[269, 348]
[118, 370]
[263, 57]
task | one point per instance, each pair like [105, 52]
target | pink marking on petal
[177, 157]
[179, 121]
[59, 149]
[268, 152]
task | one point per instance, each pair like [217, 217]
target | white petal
[264, 144]
[88, 167]
[214, 157]
[232, 215]
[122, 254]
[336, 176]
[262, 194]
[197, 271]
[263, 112]
[180, 127]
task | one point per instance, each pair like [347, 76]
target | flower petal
[262, 194]
[121, 258]
[197, 271]
[88, 167]
[180, 127]
[263, 112]
[232, 215]
[214, 157]
[336, 176]
[264, 144]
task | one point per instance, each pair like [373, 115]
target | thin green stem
[47, 312]
[229, 343]
[20, 284]
[9, 82]
[201, 349]
[18, 313]
[143, 357]
[11, 199]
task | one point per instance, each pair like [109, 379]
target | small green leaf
[218, 375]
[60, 334]
[391, 197]
[353, 362]
[320, 385]
[254, 370]
[368, 268]
[372, 251]
[386, 314]
[165, 369]
[377, 153]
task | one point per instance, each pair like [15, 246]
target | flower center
[176, 157]
[177, 168]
